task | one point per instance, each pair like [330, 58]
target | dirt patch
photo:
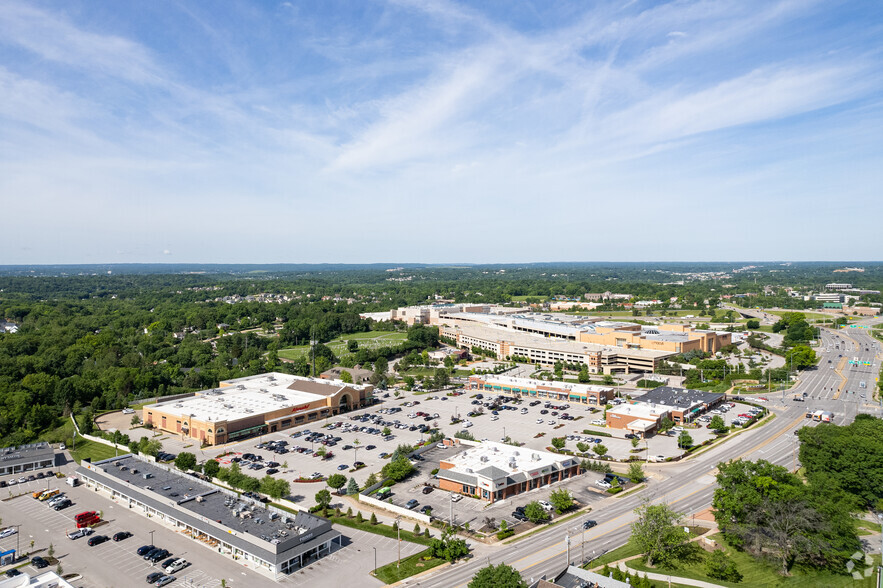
[117, 421]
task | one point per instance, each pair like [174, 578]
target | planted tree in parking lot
[185, 461]
[600, 449]
[352, 488]
[583, 447]
[717, 424]
[561, 499]
[559, 442]
[398, 469]
[336, 481]
[666, 424]
[685, 440]
[323, 499]
[535, 513]
[210, 468]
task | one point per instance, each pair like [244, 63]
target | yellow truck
[48, 494]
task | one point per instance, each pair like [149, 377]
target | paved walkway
[668, 577]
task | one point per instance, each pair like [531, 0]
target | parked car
[63, 504]
[177, 565]
[12, 572]
[76, 534]
[518, 516]
[154, 577]
[547, 506]
[411, 504]
[97, 540]
[602, 483]
[427, 489]
[121, 535]
[39, 563]
[8, 532]
[165, 580]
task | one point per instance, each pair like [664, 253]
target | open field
[91, 449]
[808, 314]
[759, 573]
[369, 340]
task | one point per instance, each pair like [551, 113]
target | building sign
[300, 408]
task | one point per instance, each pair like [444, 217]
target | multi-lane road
[688, 486]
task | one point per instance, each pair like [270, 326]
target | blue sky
[436, 131]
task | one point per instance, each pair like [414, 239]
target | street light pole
[151, 537]
[567, 542]
[375, 560]
[399, 536]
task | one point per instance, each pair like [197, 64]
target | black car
[151, 553]
[518, 516]
[272, 471]
[154, 577]
[169, 562]
[121, 535]
[145, 549]
[13, 572]
[39, 563]
[589, 524]
[63, 504]
[97, 540]
[427, 489]
[160, 554]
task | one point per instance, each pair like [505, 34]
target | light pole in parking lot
[399, 537]
[375, 560]
[151, 537]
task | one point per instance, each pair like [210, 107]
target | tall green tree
[499, 576]
[657, 533]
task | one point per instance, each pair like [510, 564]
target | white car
[656, 458]
[8, 532]
[178, 564]
[539, 421]
[457, 498]
[599, 422]
[495, 417]
[602, 483]
[552, 422]
[79, 533]
[467, 424]
[546, 505]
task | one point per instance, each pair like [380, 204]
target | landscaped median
[409, 566]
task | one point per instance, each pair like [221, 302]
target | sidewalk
[668, 577]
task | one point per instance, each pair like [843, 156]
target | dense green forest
[103, 336]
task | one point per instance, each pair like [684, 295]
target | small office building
[684, 404]
[495, 471]
[264, 538]
[26, 458]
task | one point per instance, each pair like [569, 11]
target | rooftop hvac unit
[484, 458]
[535, 457]
[469, 471]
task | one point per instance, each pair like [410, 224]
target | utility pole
[567, 542]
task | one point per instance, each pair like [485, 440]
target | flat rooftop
[679, 397]
[511, 381]
[638, 410]
[12, 455]
[502, 460]
[253, 395]
[521, 339]
[245, 518]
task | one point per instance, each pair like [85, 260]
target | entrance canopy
[639, 425]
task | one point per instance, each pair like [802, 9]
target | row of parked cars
[170, 566]
[26, 479]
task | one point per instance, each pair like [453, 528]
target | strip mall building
[254, 405]
[542, 390]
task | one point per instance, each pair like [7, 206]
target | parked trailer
[817, 415]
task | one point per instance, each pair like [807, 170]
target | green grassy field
[93, 450]
[368, 340]
[760, 573]
[806, 313]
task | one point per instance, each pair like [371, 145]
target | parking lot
[531, 423]
[110, 563]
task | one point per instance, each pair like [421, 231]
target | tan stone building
[250, 406]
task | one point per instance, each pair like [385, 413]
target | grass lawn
[369, 340]
[759, 573]
[379, 529]
[867, 527]
[91, 449]
[806, 313]
[409, 566]
[627, 550]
